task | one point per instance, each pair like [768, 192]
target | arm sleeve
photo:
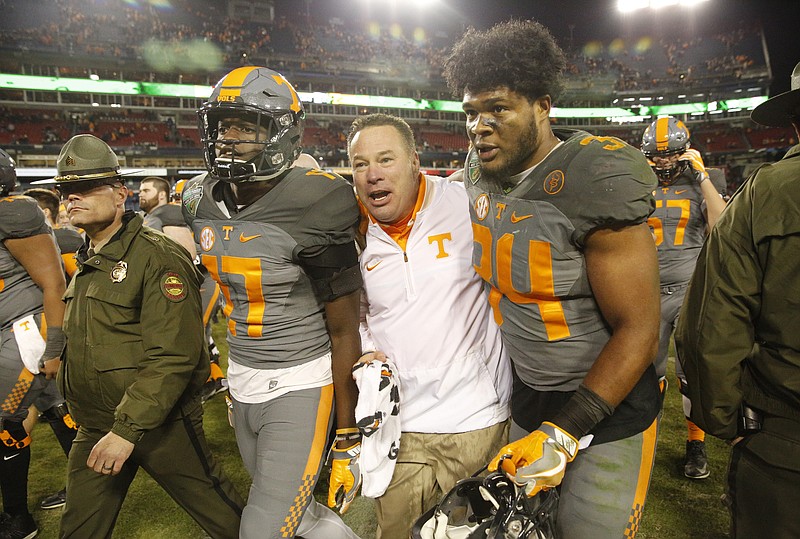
[171, 215]
[326, 247]
[173, 341]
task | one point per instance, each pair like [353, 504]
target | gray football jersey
[679, 226]
[164, 215]
[274, 318]
[528, 248]
[20, 217]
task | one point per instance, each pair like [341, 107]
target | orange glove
[695, 161]
[345, 475]
[538, 460]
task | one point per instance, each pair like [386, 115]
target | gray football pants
[671, 301]
[282, 443]
[603, 491]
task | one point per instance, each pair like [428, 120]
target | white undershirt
[253, 386]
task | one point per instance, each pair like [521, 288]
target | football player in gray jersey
[279, 240]
[688, 204]
[31, 286]
[561, 239]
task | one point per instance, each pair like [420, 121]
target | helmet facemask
[265, 100]
[667, 174]
[231, 157]
[664, 138]
[491, 507]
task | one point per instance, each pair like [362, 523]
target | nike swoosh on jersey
[372, 264]
[516, 219]
[9, 457]
[681, 191]
[245, 239]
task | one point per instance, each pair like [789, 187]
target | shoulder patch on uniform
[192, 194]
[554, 182]
[473, 168]
[173, 287]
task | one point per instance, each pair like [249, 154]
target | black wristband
[582, 412]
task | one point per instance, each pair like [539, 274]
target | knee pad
[13, 437]
[60, 413]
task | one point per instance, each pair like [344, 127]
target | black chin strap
[223, 192]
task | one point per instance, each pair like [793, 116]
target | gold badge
[119, 272]
[70, 161]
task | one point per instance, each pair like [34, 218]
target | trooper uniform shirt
[528, 248]
[275, 319]
[132, 320]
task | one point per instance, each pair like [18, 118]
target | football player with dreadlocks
[687, 205]
[279, 240]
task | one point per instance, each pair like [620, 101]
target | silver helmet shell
[665, 137]
[265, 98]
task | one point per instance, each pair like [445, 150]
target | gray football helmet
[8, 174]
[490, 507]
[264, 98]
[665, 137]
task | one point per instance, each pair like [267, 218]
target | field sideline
[676, 507]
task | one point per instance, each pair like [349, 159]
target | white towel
[30, 342]
[377, 417]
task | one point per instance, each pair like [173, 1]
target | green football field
[676, 507]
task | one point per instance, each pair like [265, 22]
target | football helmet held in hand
[489, 508]
[539, 460]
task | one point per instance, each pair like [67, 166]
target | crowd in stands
[677, 62]
[342, 48]
[346, 56]
[325, 139]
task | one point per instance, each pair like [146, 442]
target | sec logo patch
[482, 206]
[173, 287]
[207, 237]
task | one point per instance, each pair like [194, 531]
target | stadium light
[663, 3]
[628, 6]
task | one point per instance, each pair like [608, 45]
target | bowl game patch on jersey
[192, 195]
